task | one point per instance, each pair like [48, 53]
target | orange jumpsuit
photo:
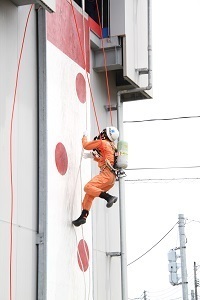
[106, 179]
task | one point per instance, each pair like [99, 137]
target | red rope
[105, 63]
[11, 153]
[82, 52]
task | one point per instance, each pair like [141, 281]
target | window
[92, 11]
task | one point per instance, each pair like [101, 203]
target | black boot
[110, 199]
[82, 219]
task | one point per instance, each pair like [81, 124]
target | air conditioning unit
[49, 5]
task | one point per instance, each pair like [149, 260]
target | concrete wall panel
[68, 117]
[24, 152]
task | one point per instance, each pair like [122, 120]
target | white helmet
[112, 133]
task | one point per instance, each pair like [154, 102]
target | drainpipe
[124, 289]
[42, 156]
[124, 285]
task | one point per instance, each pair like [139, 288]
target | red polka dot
[61, 158]
[81, 87]
[83, 255]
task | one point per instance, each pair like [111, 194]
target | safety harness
[118, 172]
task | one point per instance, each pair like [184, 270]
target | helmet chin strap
[101, 136]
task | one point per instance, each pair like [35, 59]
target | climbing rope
[79, 255]
[82, 267]
[81, 197]
[85, 66]
[105, 63]
[84, 48]
[83, 51]
[11, 153]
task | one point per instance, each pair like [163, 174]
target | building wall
[68, 117]
[24, 152]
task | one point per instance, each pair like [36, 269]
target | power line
[162, 168]
[192, 221]
[138, 298]
[152, 246]
[163, 291]
[162, 119]
[163, 294]
[162, 179]
[134, 298]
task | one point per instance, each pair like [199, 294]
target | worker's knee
[87, 188]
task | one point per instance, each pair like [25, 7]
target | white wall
[68, 117]
[12, 23]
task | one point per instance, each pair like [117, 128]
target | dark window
[79, 2]
[105, 13]
[92, 11]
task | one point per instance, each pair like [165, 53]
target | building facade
[65, 67]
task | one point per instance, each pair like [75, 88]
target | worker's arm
[90, 145]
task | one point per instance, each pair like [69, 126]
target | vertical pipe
[42, 154]
[195, 281]
[122, 208]
[121, 180]
[183, 256]
[149, 43]
[108, 18]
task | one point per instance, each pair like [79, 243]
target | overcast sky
[173, 147]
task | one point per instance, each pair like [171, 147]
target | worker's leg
[97, 187]
[87, 202]
[82, 219]
[100, 183]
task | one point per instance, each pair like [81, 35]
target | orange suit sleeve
[90, 145]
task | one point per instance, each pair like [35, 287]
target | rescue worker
[104, 153]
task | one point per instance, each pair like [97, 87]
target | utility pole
[145, 295]
[183, 256]
[192, 295]
[196, 282]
